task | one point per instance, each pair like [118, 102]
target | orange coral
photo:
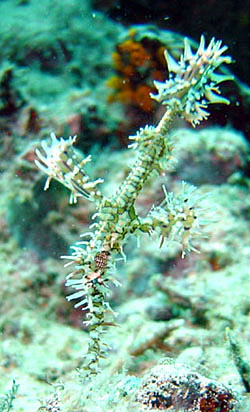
[137, 64]
[142, 98]
[135, 52]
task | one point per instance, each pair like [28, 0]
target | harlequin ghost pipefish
[192, 85]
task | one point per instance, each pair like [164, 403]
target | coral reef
[190, 314]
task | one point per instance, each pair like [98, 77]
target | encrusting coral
[192, 85]
[174, 387]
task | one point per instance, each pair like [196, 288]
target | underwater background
[86, 68]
